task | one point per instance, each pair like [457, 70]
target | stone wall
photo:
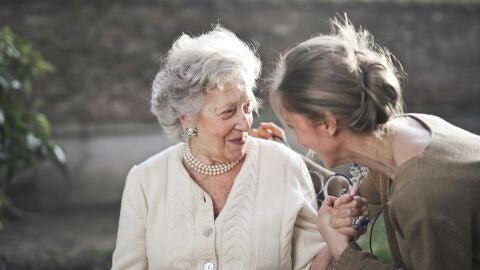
[107, 52]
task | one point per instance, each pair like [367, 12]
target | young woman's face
[313, 136]
[223, 125]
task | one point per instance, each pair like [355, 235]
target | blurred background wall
[106, 54]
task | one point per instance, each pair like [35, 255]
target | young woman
[341, 94]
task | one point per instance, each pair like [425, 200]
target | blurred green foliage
[379, 241]
[25, 133]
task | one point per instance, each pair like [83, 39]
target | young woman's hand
[268, 130]
[346, 208]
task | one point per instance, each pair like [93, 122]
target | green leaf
[43, 125]
[59, 154]
[12, 52]
[37, 104]
[45, 67]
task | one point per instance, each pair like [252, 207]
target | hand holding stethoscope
[339, 184]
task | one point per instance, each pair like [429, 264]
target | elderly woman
[341, 94]
[220, 199]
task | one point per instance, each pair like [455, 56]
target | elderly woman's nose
[243, 122]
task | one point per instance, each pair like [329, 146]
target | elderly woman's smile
[239, 141]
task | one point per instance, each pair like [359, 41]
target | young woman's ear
[330, 122]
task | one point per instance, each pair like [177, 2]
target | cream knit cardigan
[268, 221]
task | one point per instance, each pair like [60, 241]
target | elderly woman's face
[223, 125]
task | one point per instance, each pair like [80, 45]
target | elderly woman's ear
[185, 120]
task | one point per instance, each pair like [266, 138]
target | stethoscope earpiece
[335, 185]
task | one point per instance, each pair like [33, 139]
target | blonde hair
[344, 72]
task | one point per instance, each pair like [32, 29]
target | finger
[351, 232]
[344, 199]
[350, 212]
[361, 200]
[260, 133]
[270, 125]
[356, 202]
[264, 133]
[344, 211]
[339, 222]
[352, 190]
[276, 130]
[270, 133]
[329, 201]
[332, 211]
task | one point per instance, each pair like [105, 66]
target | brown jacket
[432, 208]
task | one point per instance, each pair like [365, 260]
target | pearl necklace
[203, 168]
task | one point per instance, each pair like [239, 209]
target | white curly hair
[195, 65]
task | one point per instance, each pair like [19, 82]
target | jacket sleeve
[434, 244]
[130, 249]
[353, 258]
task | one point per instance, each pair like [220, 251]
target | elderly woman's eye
[229, 111]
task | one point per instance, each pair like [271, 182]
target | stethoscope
[334, 185]
[339, 184]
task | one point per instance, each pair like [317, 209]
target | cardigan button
[207, 232]
[208, 266]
